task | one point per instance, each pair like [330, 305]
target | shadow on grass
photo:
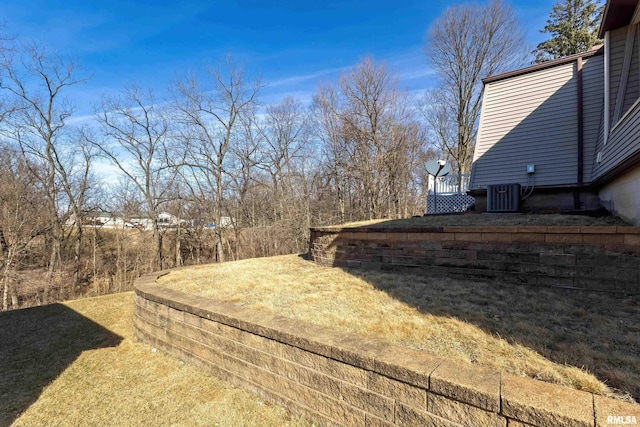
[595, 331]
[36, 346]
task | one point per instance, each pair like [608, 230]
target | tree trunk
[77, 253]
[157, 238]
[178, 248]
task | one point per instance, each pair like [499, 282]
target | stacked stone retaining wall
[340, 379]
[604, 258]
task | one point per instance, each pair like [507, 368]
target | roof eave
[617, 13]
[597, 50]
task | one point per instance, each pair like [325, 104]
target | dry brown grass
[76, 364]
[588, 341]
[471, 219]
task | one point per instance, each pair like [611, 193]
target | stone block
[403, 260]
[407, 365]
[409, 416]
[428, 237]
[463, 413]
[147, 315]
[619, 249]
[583, 271]
[565, 271]
[341, 412]
[627, 261]
[192, 320]
[563, 229]
[583, 249]
[468, 237]
[302, 357]
[208, 354]
[456, 244]
[628, 230]
[563, 238]
[315, 380]
[373, 421]
[343, 371]
[546, 248]
[548, 270]
[601, 239]
[397, 390]
[356, 350]
[598, 229]
[397, 236]
[528, 237]
[181, 341]
[496, 237]
[596, 260]
[626, 274]
[523, 257]
[468, 384]
[615, 412]
[543, 404]
[491, 256]
[558, 259]
[531, 229]
[374, 403]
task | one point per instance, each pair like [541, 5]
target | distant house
[100, 219]
[568, 131]
[165, 220]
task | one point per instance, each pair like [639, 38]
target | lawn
[76, 364]
[472, 219]
[585, 340]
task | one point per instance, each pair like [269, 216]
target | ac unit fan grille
[503, 198]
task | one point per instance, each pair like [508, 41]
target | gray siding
[624, 141]
[592, 110]
[618, 40]
[633, 83]
[531, 118]
[631, 93]
[624, 136]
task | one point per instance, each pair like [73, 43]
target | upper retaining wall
[341, 379]
[604, 258]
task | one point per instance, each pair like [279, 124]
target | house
[165, 220]
[568, 130]
[100, 219]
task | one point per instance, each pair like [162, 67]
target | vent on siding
[503, 198]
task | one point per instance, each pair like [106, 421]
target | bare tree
[365, 122]
[36, 82]
[467, 43]
[211, 113]
[136, 128]
[285, 132]
[328, 129]
[21, 219]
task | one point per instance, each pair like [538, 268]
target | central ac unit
[503, 198]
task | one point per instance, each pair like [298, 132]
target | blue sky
[292, 45]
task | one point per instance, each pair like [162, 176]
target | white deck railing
[450, 184]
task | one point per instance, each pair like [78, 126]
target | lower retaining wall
[603, 258]
[340, 379]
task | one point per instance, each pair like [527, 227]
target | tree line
[211, 152]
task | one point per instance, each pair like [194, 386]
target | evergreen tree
[573, 25]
